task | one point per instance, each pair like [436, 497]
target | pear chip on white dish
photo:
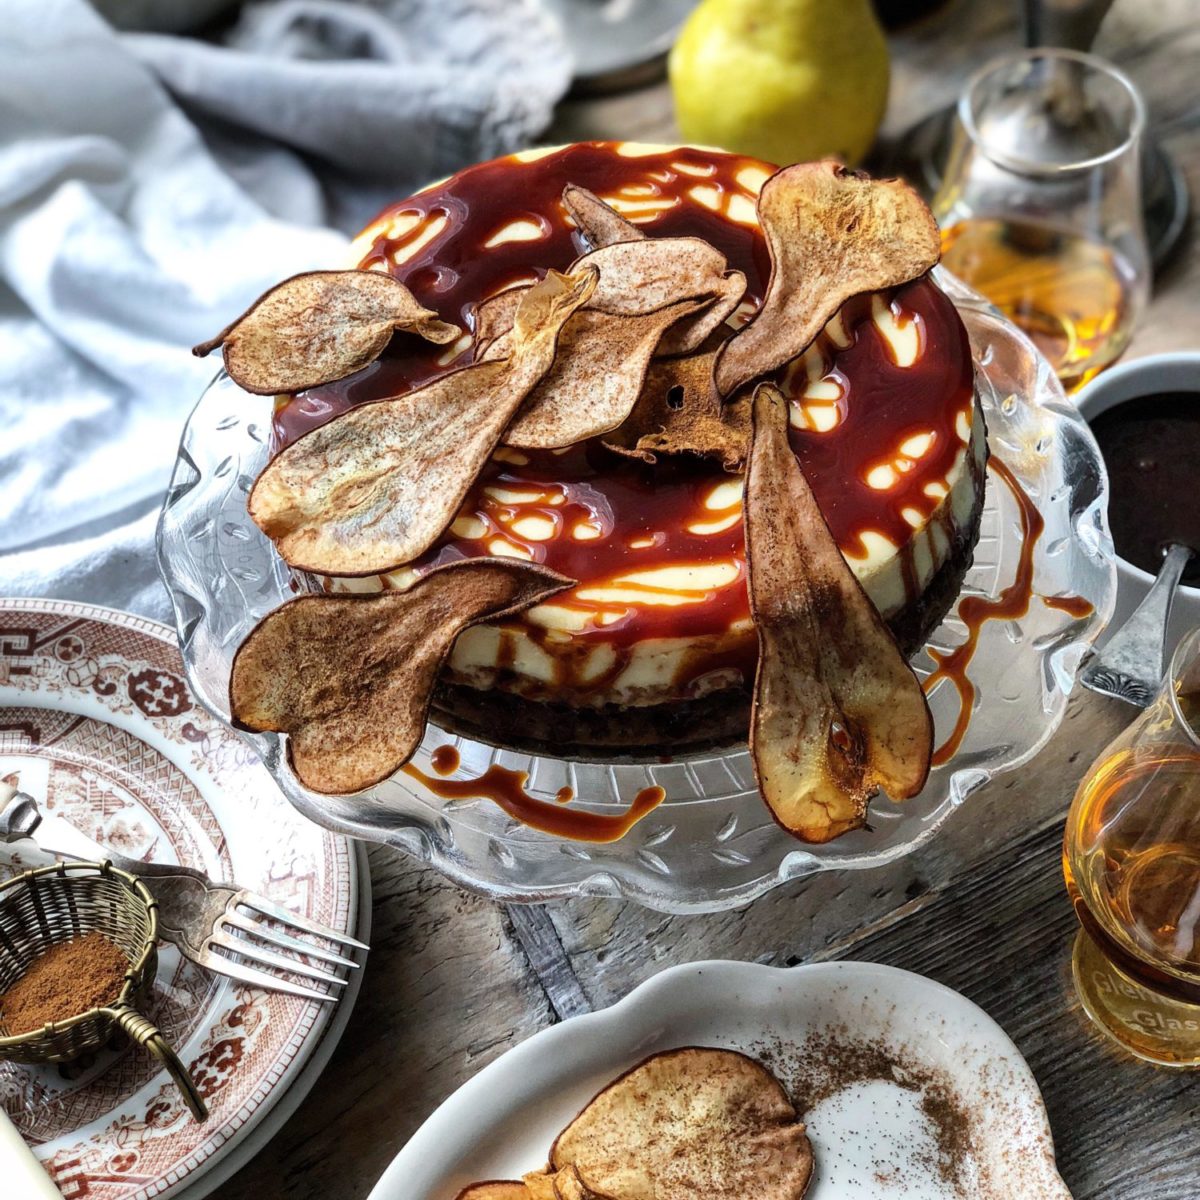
[873, 1139]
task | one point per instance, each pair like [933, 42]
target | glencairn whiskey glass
[1040, 203]
[1131, 855]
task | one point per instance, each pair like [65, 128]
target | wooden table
[453, 981]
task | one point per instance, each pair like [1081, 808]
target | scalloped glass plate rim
[413, 833]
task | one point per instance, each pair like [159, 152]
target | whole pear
[782, 80]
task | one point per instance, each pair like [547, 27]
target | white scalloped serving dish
[873, 1138]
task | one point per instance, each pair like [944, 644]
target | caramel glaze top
[674, 192]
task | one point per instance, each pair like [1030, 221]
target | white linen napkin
[127, 233]
[19, 1166]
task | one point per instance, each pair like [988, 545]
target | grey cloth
[136, 221]
[376, 96]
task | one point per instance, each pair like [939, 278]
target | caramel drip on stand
[506, 788]
[445, 760]
[976, 611]
[1075, 606]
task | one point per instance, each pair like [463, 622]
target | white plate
[872, 1139]
[97, 721]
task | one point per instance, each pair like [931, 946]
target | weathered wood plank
[535, 934]
[445, 991]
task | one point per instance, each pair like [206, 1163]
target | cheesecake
[652, 650]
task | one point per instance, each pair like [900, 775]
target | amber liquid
[1070, 294]
[1132, 864]
[1140, 879]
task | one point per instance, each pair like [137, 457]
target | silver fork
[1132, 665]
[221, 927]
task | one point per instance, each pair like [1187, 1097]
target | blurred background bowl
[161, 16]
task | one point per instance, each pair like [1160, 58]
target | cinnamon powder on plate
[67, 979]
[838, 1058]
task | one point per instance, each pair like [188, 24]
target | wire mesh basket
[51, 905]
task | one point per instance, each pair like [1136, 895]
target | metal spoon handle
[1132, 665]
[21, 818]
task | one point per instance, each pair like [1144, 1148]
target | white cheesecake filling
[658, 668]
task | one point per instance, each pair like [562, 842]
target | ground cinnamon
[830, 1062]
[69, 978]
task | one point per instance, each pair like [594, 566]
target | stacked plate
[97, 722]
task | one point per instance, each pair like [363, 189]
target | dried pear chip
[838, 713]
[318, 327]
[636, 278]
[569, 1186]
[686, 1124]
[596, 379]
[348, 678]
[540, 1185]
[600, 224]
[376, 486]
[679, 412]
[832, 234]
[494, 319]
[495, 1189]
[647, 275]
[689, 334]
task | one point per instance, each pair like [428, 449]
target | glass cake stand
[712, 843]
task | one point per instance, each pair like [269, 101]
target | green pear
[781, 80]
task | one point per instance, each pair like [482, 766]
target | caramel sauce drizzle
[976, 611]
[506, 788]
[676, 192]
[445, 760]
[1075, 606]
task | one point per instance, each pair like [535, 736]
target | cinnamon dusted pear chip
[494, 319]
[596, 378]
[318, 327]
[600, 224]
[376, 486]
[832, 234]
[560, 1185]
[348, 678]
[644, 276]
[679, 412]
[569, 1186]
[539, 1185]
[636, 278]
[686, 1124]
[838, 713]
[689, 334]
[495, 1189]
